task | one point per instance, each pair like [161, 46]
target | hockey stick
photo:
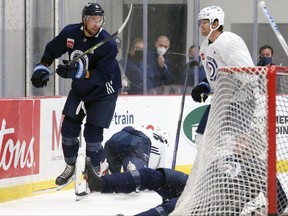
[51, 189]
[189, 64]
[102, 42]
[274, 26]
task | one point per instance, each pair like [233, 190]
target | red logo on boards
[19, 138]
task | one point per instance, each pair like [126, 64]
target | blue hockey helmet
[92, 9]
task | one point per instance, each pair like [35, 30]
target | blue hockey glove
[201, 88]
[40, 75]
[76, 70]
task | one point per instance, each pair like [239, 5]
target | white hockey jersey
[227, 50]
[160, 154]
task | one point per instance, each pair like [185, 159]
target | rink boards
[31, 152]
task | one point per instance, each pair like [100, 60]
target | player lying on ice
[169, 183]
[136, 147]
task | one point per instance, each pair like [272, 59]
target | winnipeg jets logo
[212, 66]
[85, 59]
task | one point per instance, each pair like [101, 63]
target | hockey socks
[128, 182]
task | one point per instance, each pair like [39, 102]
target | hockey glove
[198, 90]
[76, 70]
[40, 75]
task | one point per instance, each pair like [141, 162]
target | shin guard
[128, 182]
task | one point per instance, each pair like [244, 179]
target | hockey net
[241, 164]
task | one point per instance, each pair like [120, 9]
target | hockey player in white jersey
[219, 48]
[135, 147]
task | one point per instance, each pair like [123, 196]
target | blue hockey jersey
[101, 63]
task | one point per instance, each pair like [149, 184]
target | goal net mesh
[230, 173]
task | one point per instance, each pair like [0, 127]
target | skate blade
[82, 195]
[60, 187]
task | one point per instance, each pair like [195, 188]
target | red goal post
[241, 167]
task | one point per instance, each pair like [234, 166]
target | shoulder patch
[70, 43]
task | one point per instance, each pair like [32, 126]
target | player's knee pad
[70, 128]
[174, 183]
[93, 133]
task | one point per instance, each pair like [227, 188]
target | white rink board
[162, 111]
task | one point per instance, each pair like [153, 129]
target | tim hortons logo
[19, 139]
[14, 155]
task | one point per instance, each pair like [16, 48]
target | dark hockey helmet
[92, 9]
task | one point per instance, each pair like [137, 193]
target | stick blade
[126, 20]
[261, 4]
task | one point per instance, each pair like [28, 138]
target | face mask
[192, 58]
[138, 54]
[161, 51]
[264, 61]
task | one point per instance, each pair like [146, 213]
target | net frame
[270, 74]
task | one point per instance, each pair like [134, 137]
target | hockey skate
[104, 168]
[93, 180]
[66, 177]
[91, 183]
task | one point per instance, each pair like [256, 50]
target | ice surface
[63, 203]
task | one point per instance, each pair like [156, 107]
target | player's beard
[92, 33]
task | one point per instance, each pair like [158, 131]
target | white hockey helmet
[212, 13]
[163, 134]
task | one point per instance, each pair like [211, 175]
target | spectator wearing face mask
[265, 59]
[265, 56]
[133, 67]
[160, 64]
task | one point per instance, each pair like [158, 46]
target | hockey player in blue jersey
[136, 147]
[168, 183]
[96, 80]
